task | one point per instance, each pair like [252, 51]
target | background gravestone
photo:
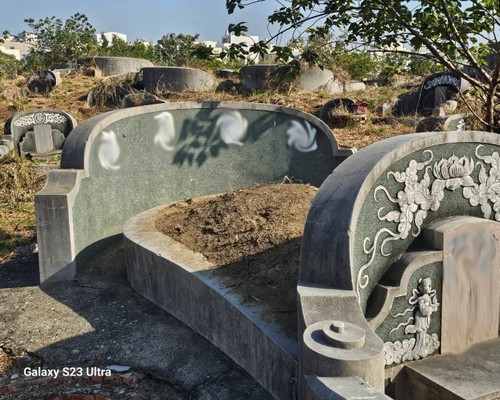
[438, 88]
[44, 81]
[53, 126]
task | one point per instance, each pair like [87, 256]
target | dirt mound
[252, 236]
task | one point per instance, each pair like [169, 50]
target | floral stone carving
[420, 196]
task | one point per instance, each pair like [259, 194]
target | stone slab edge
[76, 152]
[170, 275]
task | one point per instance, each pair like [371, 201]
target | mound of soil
[252, 237]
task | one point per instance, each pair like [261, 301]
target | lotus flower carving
[455, 172]
[424, 186]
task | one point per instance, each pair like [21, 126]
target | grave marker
[40, 133]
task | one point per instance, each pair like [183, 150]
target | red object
[360, 107]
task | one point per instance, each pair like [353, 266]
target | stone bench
[118, 164]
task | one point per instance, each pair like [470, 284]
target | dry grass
[6, 361]
[70, 96]
[19, 180]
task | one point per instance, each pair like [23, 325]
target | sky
[141, 19]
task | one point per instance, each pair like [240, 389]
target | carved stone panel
[24, 129]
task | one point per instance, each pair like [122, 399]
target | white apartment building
[110, 37]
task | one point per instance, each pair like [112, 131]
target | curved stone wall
[118, 164]
[371, 208]
[175, 277]
[314, 79]
[120, 65]
[177, 79]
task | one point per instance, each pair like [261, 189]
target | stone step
[473, 375]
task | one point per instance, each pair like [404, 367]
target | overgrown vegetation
[19, 181]
[61, 42]
[8, 65]
[452, 34]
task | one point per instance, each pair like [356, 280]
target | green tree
[454, 33]
[60, 42]
[8, 65]
[177, 49]
[421, 66]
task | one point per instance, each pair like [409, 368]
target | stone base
[177, 279]
[474, 375]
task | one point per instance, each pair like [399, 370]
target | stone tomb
[400, 263]
[438, 88]
[433, 91]
[39, 133]
[168, 151]
[402, 242]
[177, 79]
[262, 76]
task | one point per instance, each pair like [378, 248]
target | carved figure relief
[423, 303]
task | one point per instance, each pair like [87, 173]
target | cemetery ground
[19, 180]
[66, 324]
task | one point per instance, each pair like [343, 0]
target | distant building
[229, 39]
[18, 49]
[216, 47]
[109, 36]
[145, 43]
[27, 37]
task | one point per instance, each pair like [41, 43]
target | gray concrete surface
[98, 320]
[178, 280]
[110, 66]
[340, 389]
[177, 79]
[318, 307]
[474, 375]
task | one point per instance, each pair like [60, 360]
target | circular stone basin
[314, 79]
[177, 79]
[120, 65]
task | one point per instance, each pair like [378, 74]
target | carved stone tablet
[471, 274]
